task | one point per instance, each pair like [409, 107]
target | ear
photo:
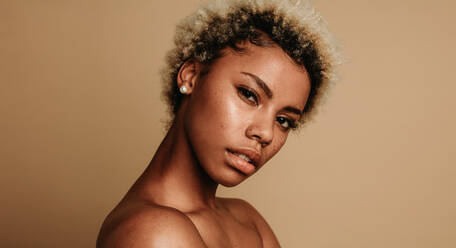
[188, 74]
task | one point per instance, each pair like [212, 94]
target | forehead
[288, 82]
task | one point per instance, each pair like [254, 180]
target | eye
[248, 95]
[286, 123]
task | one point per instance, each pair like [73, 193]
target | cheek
[275, 146]
[213, 114]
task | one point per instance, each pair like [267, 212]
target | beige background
[81, 117]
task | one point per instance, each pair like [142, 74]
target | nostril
[264, 144]
[261, 135]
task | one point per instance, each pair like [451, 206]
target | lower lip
[241, 164]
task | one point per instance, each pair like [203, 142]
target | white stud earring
[183, 89]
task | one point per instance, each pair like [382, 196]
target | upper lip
[253, 155]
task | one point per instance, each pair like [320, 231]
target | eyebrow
[268, 91]
[293, 110]
[260, 83]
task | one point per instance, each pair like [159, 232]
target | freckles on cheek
[225, 119]
[227, 112]
[276, 146]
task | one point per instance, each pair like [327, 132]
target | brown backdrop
[81, 117]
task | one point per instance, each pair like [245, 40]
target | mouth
[243, 156]
[250, 156]
[241, 162]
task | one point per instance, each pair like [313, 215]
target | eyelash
[291, 124]
[246, 94]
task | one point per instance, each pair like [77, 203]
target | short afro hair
[294, 26]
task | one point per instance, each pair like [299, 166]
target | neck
[174, 177]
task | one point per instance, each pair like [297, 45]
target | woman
[242, 75]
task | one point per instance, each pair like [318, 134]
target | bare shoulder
[145, 226]
[245, 211]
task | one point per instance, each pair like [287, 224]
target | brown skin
[173, 203]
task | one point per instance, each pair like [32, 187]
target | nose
[261, 131]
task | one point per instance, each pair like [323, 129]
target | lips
[248, 155]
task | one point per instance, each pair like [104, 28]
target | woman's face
[239, 114]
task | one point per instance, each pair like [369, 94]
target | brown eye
[286, 123]
[248, 95]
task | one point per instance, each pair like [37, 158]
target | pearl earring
[183, 89]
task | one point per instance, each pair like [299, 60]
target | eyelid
[247, 88]
[292, 124]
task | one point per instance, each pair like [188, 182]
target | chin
[231, 178]
[230, 184]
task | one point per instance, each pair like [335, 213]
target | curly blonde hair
[294, 26]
